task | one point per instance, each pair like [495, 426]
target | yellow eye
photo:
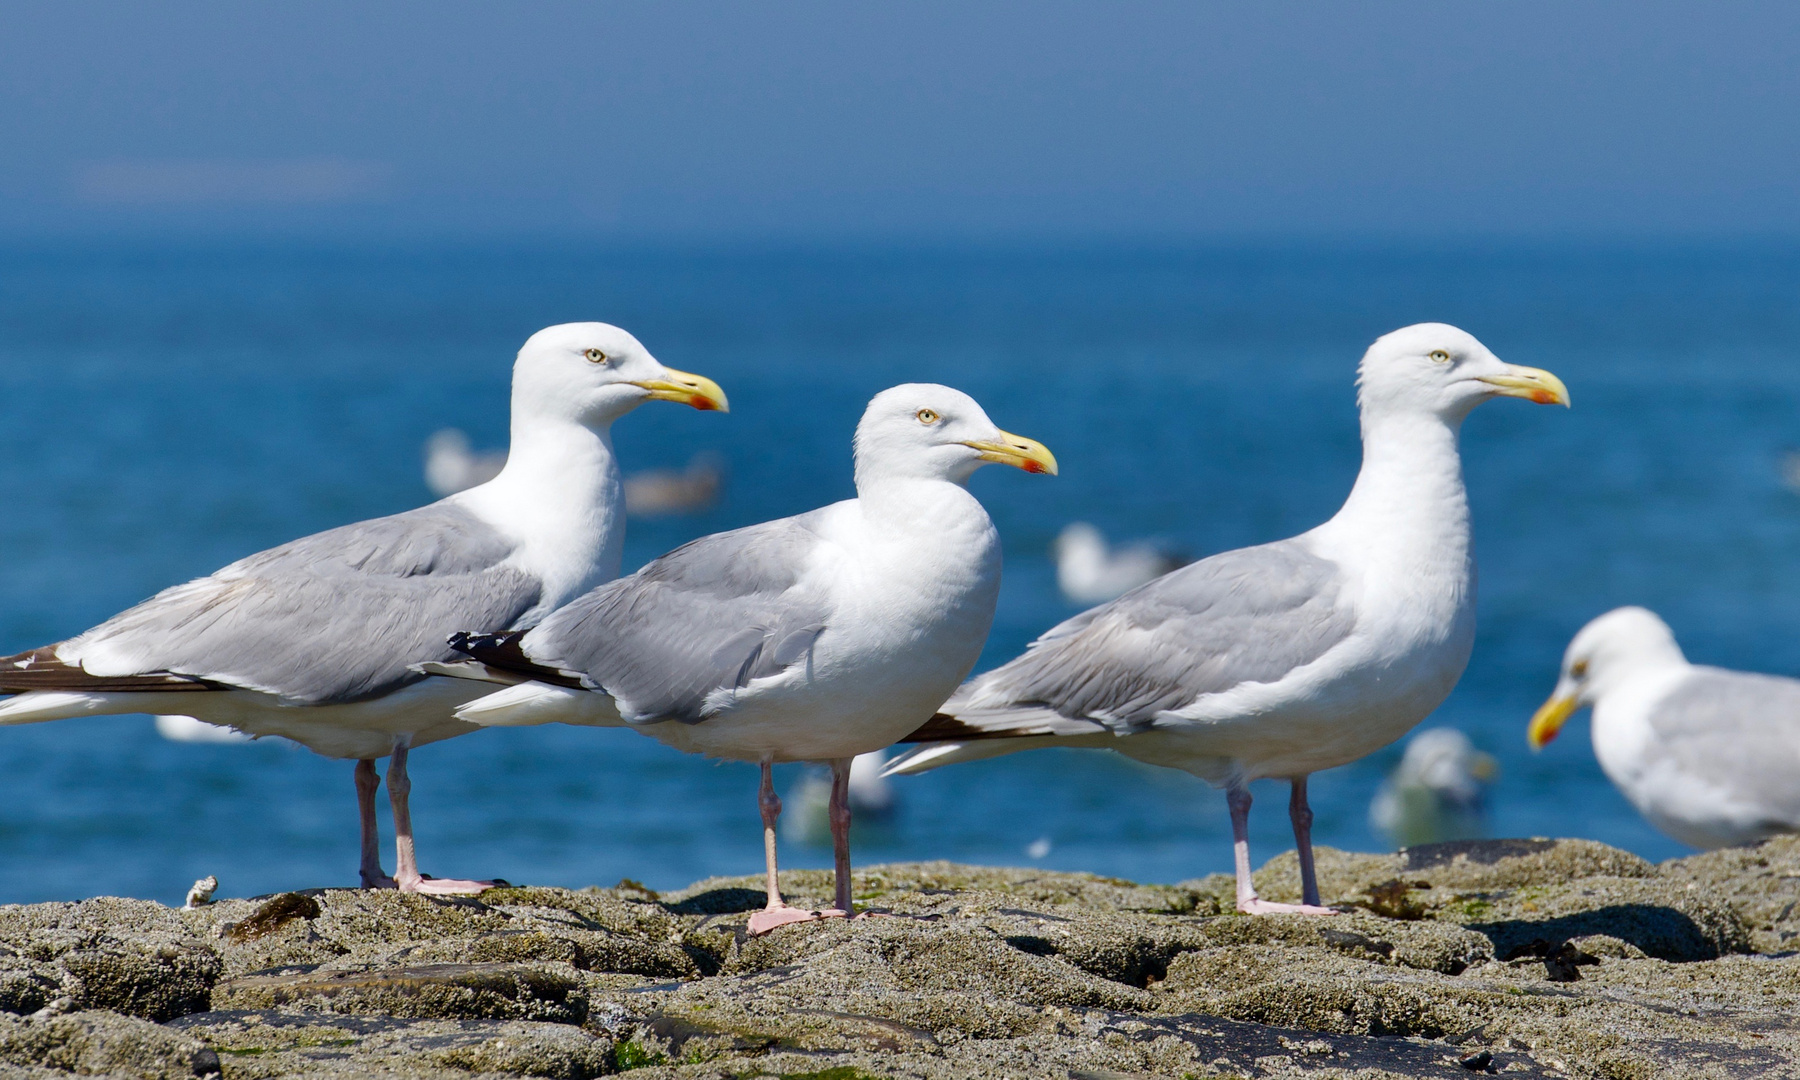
[1578, 668]
[926, 416]
[595, 356]
[1440, 356]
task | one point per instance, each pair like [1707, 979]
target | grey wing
[1740, 732]
[335, 617]
[702, 621]
[1250, 615]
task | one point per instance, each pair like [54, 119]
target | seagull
[1438, 791]
[871, 797]
[666, 492]
[452, 465]
[1710, 756]
[316, 640]
[189, 730]
[1088, 571]
[1280, 660]
[811, 638]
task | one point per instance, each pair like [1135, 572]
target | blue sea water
[166, 410]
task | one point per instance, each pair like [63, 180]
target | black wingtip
[506, 652]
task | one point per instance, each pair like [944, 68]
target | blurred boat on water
[1090, 571]
[1437, 792]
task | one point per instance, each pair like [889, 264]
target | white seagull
[317, 640]
[1091, 571]
[811, 638]
[1438, 791]
[1710, 756]
[1284, 659]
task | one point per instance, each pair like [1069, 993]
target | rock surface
[1513, 958]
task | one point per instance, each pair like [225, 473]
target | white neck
[560, 498]
[1409, 499]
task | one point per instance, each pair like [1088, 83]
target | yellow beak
[1549, 719]
[1019, 452]
[696, 390]
[1533, 384]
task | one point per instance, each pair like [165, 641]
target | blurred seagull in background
[811, 638]
[1438, 791]
[452, 466]
[318, 640]
[1710, 756]
[808, 816]
[189, 730]
[1280, 660]
[1088, 571]
[667, 492]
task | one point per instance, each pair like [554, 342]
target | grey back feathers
[336, 617]
[710, 616]
[1250, 615]
[1741, 732]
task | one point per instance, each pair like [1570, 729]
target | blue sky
[805, 121]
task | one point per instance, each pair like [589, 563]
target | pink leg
[1237, 797]
[406, 865]
[367, 782]
[840, 831]
[776, 913]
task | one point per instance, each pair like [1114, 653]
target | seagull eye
[926, 416]
[1578, 668]
[595, 356]
[1439, 356]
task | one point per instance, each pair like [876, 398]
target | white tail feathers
[531, 703]
[38, 706]
[927, 756]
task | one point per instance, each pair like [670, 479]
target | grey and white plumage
[812, 638]
[1287, 658]
[1709, 755]
[319, 640]
[678, 639]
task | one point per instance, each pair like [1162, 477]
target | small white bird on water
[1090, 571]
[317, 640]
[452, 465]
[1280, 660]
[186, 729]
[1438, 791]
[1710, 756]
[811, 638]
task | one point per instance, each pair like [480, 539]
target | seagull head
[593, 373]
[1436, 369]
[1446, 762]
[1619, 644]
[923, 431]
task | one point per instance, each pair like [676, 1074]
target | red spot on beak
[1032, 467]
[1543, 397]
[703, 404]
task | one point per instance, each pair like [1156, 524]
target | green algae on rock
[1515, 958]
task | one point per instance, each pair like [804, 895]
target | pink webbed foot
[771, 917]
[1270, 907]
[431, 886]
